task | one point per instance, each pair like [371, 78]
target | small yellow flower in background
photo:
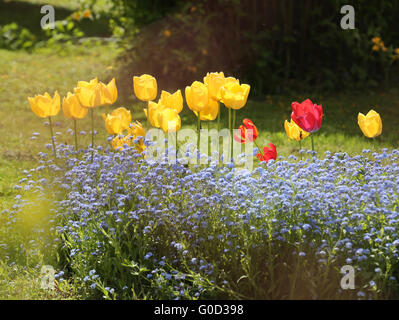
[376, 40]
[204, 52]
[86, 13]
[234, 95]
[210, 112]
[378, 44]
[109, 92]
[118, 121]
[169, 120]
[214, 81]
[167, 33]
[197, 96]
[76, 16]
[72, 108]
[145, 87]
[294, 131]
[376, 48]
[44, 105]
[90, 94]
[172, 101]
[370, 124]
[109, 67]
[193, 69]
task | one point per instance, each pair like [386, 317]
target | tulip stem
[300, 148]
[92, 133]
[231, 135]
[260, 150]
[209, 139]
[311, 138]
[76, 135]
[220, 109]
[52, 137]
[198, 131]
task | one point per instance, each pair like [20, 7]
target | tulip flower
[172, 101]
[120, 141]
[210, 112]
[294, 132]
[73, 110]
[152, 113]
[136, 130]
[197, 96]
[233, 94]
[117, 121]
[214, 82]
[307, 116]
[145, 87]
[268, 153]
[90, 94]
[370, 124]
[248, 132]
[109, 92]
[45, 106]
[169, 120]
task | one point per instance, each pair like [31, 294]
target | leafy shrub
[14, 37]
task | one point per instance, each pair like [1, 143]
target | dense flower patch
[129, 229]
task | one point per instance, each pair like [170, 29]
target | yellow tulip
[169, 120]
[210, 112]
[120, 141]
[172, 101]
[214, 81]
[72, 108]
[234, 95]
[370, 124]
[145, 87]
[109, 92]
[197, 96]
[136, 130]
[90, 94]
[44, 105]
[117, 121]
[152, 113]
[294, 131]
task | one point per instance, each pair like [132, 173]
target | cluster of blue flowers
[127, 228]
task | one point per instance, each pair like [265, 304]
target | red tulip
[268, 153]
[248, 132]
[307, 116]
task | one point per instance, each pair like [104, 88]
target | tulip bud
[370, 124]
[197, 96]
[294, 131]
[145, 87]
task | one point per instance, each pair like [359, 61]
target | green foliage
[15, 37]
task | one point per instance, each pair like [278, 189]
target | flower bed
[129, 229]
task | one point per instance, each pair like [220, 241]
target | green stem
[52, 137]
[300, 148]
[260, 149]
[198, 131]
[209, 139]
[92, 133]
[220, 109]
[311, 138]
[76, 135]
[231, 135]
